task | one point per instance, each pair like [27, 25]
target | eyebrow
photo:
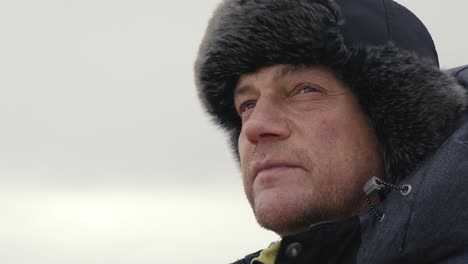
[242, 90]
[282, 73]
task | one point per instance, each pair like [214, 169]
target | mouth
[271, 165]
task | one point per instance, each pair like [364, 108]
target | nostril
[268, 135]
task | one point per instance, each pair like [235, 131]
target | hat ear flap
[413, 106]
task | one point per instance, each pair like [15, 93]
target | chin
[281, 223]
[284, 215]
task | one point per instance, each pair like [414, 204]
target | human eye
[246, 106]
[306, 88]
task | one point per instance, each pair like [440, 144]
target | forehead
[278, 74]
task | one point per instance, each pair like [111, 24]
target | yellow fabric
[268, 256]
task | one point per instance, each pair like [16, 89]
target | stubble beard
[289, 212]
[288, 217]
[291, 215]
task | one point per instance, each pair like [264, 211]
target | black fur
[413, 106]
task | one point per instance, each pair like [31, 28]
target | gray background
[105, 153]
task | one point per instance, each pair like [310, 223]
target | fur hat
[377, 47]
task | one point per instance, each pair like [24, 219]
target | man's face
[306, 148]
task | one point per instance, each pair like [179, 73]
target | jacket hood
[390, 64]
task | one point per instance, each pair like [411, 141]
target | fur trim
[412, 105]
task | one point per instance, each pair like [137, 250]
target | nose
[267, 122]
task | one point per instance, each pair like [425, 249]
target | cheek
[328, 131]
[347, 149]
[328, 143]
[320, 137]
[336, 133]
[245, 151]
[242, 148]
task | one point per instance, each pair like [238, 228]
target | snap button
[293, 250]
[405, 189]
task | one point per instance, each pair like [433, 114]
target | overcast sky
[105, 153]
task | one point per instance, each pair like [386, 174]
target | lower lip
[269, 176]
